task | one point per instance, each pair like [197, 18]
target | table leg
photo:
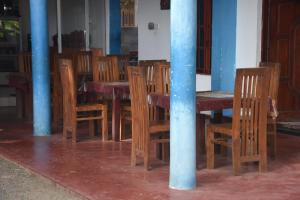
[200, 137]
[19, 104]
[218, 115]
[116, 118]
[28, 106]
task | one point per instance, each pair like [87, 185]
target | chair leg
[273, 140]
[133, 156]
[65, 133]
[20, 104]
[165, 152]
[92, 128]
[104, 125]
[122, 128]
[146, 161]
[74, 132]
[223, 148]
[210, 149]
[263, 161]
[236, 162]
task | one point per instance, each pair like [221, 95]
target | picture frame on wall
[164, 4]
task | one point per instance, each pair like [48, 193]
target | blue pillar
[40, 67]
[114, 27]
[183, 87]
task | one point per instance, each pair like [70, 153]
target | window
[203, 65]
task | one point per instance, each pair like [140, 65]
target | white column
[107, 47]
[59, 42]
[87, 24]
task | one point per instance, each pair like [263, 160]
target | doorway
[281, 43]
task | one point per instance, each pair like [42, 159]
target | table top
[118, 88]
[213, 100]
[20, 81]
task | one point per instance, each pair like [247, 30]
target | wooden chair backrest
[83, 62]
[69, 91]
[152, 72]
[123, 62]
[275, 76]
[164, 79]
[139, 108]
[150, 62]
[105, 69]
[97, 52]
[250, 109]
[25, 62]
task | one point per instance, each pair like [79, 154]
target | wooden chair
[154, 83]
[105, 69]
[273, 94]
[144, 129]
[249, 122]
[150, 62]
[24, 100]
[73, 112]
[57, 93]
[96, 52]
[83, 63]
[25, 62]
[123, 62]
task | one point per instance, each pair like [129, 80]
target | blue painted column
[114, 27]
[40, 67]
[183, 87]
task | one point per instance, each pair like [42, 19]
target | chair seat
[159, 126]
[90, 107]
[225, 128]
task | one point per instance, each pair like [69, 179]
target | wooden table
[205, 101]
[117, 90]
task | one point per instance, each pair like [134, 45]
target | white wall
[153, 44]
[248, 33]
[156, 44]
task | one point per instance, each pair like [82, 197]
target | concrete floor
[17, 183]
[101, 170]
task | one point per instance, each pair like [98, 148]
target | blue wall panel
[223, 44]
[115, 27]
[224, 16]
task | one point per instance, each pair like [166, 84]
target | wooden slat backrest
[164, 78]
[25, 62]
[69, 91]
[150, 62]
[105, 69]
[123, 62]
[274, 82]
[97, 52]
[250, 111]
[163, 83]
[139, 108]
[83, 62]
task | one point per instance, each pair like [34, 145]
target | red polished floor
[101, 170]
